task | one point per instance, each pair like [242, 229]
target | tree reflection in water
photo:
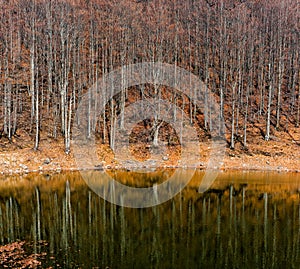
[239, 223]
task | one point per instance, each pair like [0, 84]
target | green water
[246, 220]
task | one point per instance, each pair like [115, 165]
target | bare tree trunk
[36, 144]
[233, 116]
[15, 106]
[156, 132]
[32, 66]
[261, 76]
[298, 112]
[267, 136]
[49, 53]
[123, 81]
[112, 125]
[280, 76]
[223, 59]
[246, 116]
[68, 133]
[156, 124]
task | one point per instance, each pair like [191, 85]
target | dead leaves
[13, 255]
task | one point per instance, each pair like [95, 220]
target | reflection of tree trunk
[265, 220]
[38, 214]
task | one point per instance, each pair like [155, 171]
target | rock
[58, 169]
[99, 167]
[47, 161]
[265, 153]
[23, 166]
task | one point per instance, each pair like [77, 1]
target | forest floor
[281, 153]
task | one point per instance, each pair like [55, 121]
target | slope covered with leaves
[246, 52]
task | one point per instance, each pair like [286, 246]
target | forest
[52, 52]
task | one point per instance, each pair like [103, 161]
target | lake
[245, 220]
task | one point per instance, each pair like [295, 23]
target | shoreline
[58, 169]
[281, 155]
[222, 169]
[29, 161]
[70, 170]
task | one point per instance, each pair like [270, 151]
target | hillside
[52, 53]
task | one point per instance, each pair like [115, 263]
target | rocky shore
[50, 157]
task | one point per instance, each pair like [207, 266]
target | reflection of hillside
[281, 186]
[235, 222]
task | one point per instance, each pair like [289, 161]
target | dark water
[246, 220]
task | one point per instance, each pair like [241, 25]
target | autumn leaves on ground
[280, 154]
[14, 255]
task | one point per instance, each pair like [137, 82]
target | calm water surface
[245, 220]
